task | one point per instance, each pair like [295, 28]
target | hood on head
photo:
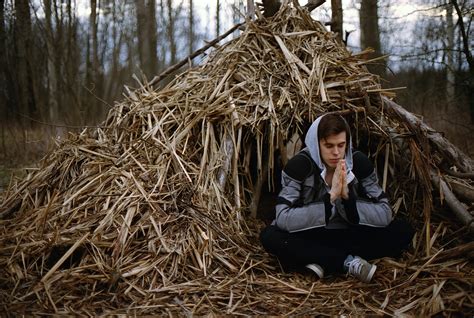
[311, 141]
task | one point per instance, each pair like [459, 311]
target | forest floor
[21, 150]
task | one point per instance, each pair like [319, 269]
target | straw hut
[155, 211]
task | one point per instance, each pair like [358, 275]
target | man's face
[333, 149]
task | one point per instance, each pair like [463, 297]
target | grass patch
[21, 149]
[8, 173]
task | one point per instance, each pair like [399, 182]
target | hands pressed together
[339, 187]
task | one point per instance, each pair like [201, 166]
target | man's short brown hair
[333, 124]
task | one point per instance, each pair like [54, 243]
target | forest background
[63, 63]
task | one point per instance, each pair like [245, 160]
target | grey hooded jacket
[304, 201]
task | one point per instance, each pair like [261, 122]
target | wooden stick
[228, 150]
[313, 4]
[385, 167]
[462, 190]
[454, 204]
[262, 176]
[63, 258]
[176, 66]
[446, 148]
[467, 175]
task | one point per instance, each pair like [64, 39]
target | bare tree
[250, 10]
[434, 66]
[147, 38]
[218, 18]
[3, 63]
[370, 33]
[94, 69]
[466, 49]
[52, 81]
[151, 9]
[450, 68]
[4, 82]
[336, 17]
[118, 36]
[171, 32]
[191, 36]
[95, 44]
[23, 44]
[92, 60]
[143, 44]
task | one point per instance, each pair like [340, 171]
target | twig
[313, 4]
[455, 205]
[176, 66]
[462, 175]
[446, 148]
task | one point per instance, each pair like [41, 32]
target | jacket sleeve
[367, 203]
[292, 214]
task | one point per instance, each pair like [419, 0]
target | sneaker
[318, 270]
[360, 268]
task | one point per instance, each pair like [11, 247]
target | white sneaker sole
[371, 273]
[316, 269]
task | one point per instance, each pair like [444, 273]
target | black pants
[329, 248]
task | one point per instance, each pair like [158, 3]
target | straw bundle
[149, 213]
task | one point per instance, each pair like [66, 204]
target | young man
[331, 214]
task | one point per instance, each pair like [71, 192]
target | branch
[463, 191]
[457, 251]
[176, 66]
[269, 7]
[261, 177]
[454, 204]
[459, 174]
[465, 39]
[449, 151]
[313, 4]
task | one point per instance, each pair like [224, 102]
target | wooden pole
[176, 66]
[454, 204]
[442, 145]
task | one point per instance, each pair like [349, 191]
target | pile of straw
[149, 214]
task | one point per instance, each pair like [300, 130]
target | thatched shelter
[154, 211]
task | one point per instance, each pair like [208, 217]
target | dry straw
[150, 214]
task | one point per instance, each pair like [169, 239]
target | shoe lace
[355, 266]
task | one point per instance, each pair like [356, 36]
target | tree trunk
[218, 18]
[72, 67]
[143, 44]
[163, 36]
[3, 71]
[152, 38]
[191, 28]
[170, 32]
[236, 17]
[467, 51]
[449, 54]
[95, 43]
[24, 82]
[250, 10]
[114, 76]
[52, 87]
[370, 34]
[336, 18]
[93, 65]
[146, 34]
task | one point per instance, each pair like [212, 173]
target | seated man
[331, 214]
